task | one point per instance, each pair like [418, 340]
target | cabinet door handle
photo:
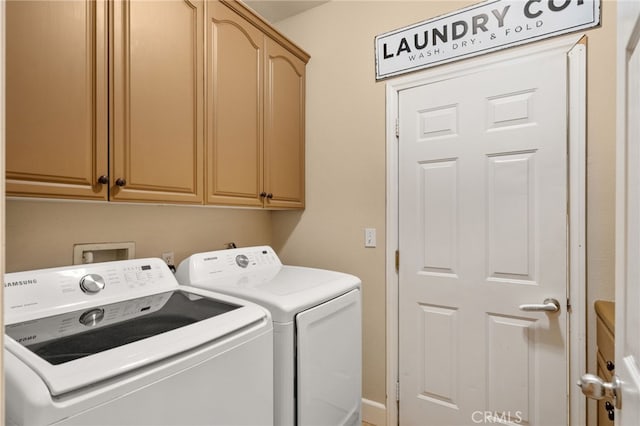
[121, 182]
[103, 180]
[269, 195]
[263, 194]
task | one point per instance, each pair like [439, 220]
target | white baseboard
[374, 413]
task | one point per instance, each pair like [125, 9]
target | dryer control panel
[227, 263]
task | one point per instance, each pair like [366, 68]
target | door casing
[575, 48]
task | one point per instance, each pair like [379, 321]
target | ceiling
[277, 10]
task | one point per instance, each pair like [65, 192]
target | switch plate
[370, 237]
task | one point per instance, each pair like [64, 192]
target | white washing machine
[317, 329]
[121, 343]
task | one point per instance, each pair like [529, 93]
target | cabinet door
[157, 101]
[56, 138]
[234, 100]
[284, 127]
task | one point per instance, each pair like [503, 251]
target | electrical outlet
[168, 257]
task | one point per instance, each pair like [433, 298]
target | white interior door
[628, 214]
[483, 230]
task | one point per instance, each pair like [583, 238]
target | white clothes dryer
[121, 343]
[317, 329]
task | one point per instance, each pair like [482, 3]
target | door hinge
[397, 129]
[397, 391]
[397, 260]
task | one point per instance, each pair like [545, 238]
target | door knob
[103, 180]
[548, 305]
[595, 388]
[121, 182]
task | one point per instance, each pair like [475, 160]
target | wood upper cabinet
[255, 117]
[284, 127]
[157, 81]
[58, 105]
[106, 100]
[234, 100]
[56, 137]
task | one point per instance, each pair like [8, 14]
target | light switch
[370, 237]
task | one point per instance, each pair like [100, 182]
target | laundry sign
[482, 28]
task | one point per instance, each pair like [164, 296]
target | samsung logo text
[20, 283]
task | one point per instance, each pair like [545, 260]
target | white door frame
[576, 51]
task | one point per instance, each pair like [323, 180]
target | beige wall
[346, 156]
[41, 234]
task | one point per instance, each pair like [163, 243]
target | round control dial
[92, 317]
[242, 260]
[92, 283]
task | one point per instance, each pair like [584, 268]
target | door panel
[284, 127]
[56, 99]
[627, 337]
[328, 362]
[158, 134]
[483, 195]
[234, 99]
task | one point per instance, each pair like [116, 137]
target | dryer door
[329, 362]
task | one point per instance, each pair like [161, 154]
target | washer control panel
[92, 283]
[32, 292]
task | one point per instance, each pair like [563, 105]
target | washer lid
[79, 348]
[284, 290]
